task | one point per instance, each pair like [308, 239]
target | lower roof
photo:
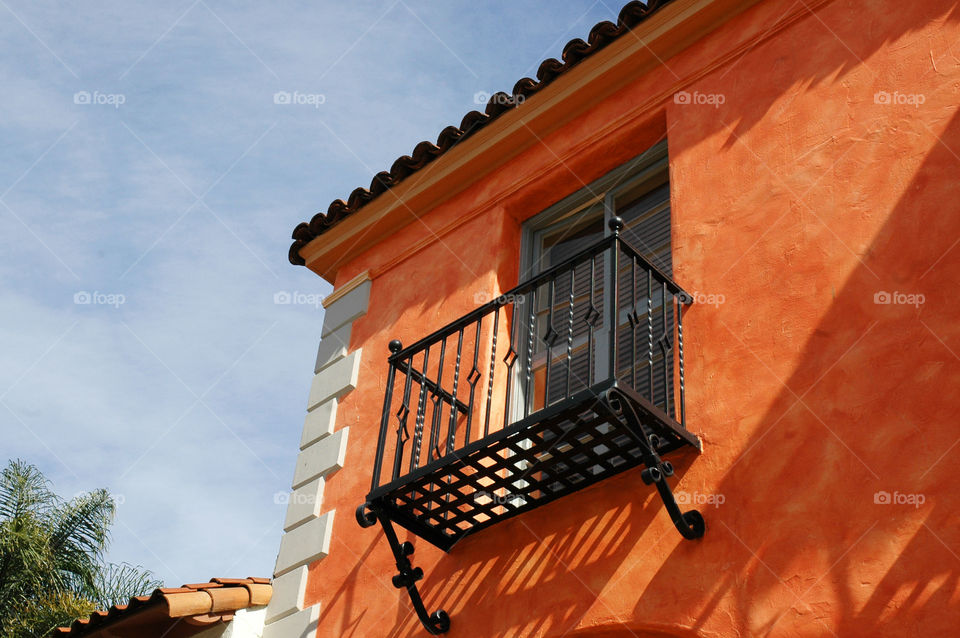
[176, 612]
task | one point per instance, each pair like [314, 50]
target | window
[638, 192]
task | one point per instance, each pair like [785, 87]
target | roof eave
[659, 36]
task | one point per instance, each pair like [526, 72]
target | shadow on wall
[864, 28]
[868, 409]
[841, 507]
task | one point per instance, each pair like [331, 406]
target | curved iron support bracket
[436, 623]
[690, 524]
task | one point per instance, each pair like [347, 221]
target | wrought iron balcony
[571, 377]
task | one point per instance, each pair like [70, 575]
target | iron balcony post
[394, 347]
[616, 225]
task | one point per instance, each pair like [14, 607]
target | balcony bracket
[690, 524]
[436, 623]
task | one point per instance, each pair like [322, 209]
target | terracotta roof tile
[160, 613]
[575, 51]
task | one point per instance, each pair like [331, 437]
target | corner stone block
[320, 459]
[333, 347]
[304, 504]
[319, 423]
[305, 544]
[346, 308]
[288, 592]
[335, 380]
[302, 624]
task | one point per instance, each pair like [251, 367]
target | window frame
[604, 192]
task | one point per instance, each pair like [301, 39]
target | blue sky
[148, 187]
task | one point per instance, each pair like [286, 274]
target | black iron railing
[567, 330]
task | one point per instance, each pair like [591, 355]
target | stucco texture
[797, 200]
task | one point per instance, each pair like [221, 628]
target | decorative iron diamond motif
[592, 316]
[665, 342]
[473, 377]
[550, 337]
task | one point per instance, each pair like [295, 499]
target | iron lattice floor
[552, 453]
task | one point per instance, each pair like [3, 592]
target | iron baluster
[591, 318]
[531, 326]
[434, 444]
[509, 360]
[632, 316]
[452, 427]
[421, 415]
[616, 225]
[573, 283]
[549, 338]
[394, 347]
[402, 434]
[493, 361]
[665, 347]
[650, 334]
[472, 379]
[683, 402]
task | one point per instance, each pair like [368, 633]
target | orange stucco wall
[797, 200]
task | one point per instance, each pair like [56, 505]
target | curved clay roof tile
[603, 34]
[448, 137]
[575, 51]
[525, 87]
